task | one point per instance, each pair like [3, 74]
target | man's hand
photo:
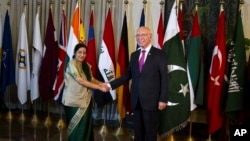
[162, 105]
[105, 87]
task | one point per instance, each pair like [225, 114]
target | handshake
[104, 87]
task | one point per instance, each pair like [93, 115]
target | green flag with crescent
[176, 114]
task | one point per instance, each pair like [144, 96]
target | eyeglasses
[141, 35]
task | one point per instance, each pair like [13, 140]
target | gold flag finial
[196, 2]
[126, 2]
[144, 4]
[25, 3]
[109, 1]
[8, 3]
[63, 2]
[242, 2]
[221, 5]
[51, 2]
[39, 3]
[162, 2]
[181, 4]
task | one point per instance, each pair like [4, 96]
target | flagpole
[79, 20]
[121, 130]
[92, 2]
[61, 124]
[209, 137]
[10, 129]
[144, 5]
[48, 122]
[104, 128]
[190, 127]
[221, 9]
[34, 120]
[22, 117]
[191, 115]
[227, 129]
[1, 54]
[9, 114]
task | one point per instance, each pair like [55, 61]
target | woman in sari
[77, 96]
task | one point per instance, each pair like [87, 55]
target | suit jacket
[150, 85]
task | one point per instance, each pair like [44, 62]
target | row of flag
[45, 80]
[225, 89]
[185, 66]
[227, 83]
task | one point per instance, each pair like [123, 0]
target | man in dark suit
[149, 85]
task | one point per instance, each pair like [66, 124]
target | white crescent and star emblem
[216, 52]
[216, 80]
[184, 88]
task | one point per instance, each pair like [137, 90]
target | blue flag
[142, 23]
[7, 64]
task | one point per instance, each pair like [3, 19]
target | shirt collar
[147, 48]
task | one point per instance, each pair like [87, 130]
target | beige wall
[246, 21]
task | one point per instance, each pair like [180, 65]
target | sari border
[76, 119]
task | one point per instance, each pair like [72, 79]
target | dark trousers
[145, 124]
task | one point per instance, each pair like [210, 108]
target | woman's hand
[104, 87]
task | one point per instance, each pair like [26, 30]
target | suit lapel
[149, 58]
[137, 55]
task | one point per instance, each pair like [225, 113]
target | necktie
[141, 61]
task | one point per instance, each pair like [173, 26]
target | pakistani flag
[176, 115]
[236, 72]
